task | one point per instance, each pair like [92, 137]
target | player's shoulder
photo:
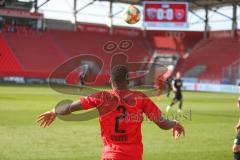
[104, 96]
[137, 94]
[103, 93]
[98, 94]
[127, 93]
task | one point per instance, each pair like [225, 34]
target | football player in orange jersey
[120, 117]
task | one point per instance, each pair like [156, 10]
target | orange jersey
[120, 117]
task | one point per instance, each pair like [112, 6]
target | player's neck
[120, 87]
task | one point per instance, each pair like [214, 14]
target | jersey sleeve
[91, 101]
[150, 109]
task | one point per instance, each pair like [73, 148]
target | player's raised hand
[178, 130]
[46, 118]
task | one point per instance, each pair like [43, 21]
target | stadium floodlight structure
[194, 5]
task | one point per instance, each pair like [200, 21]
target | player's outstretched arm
[47, 118]
[165, 124]
[173, 87]
[155, 115]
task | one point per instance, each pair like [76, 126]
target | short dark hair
[119, 73]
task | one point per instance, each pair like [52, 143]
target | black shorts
[168, 87]
[178, 96]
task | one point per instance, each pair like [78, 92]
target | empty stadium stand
[42, 52]
[34, 51]
[23, 50]
[214, 55]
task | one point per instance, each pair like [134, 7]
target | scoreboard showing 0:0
[165, 14]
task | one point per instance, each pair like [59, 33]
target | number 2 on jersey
[121, 116]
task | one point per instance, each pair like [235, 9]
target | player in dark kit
[176, 86]
[82, 79]
[236, 145]
[169, 85]
[120, 117]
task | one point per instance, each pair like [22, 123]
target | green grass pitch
[209, 135]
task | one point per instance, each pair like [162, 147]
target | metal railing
[231, 73]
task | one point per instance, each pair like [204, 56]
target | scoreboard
[165, 14]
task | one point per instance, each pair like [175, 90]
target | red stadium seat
[8, 60]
